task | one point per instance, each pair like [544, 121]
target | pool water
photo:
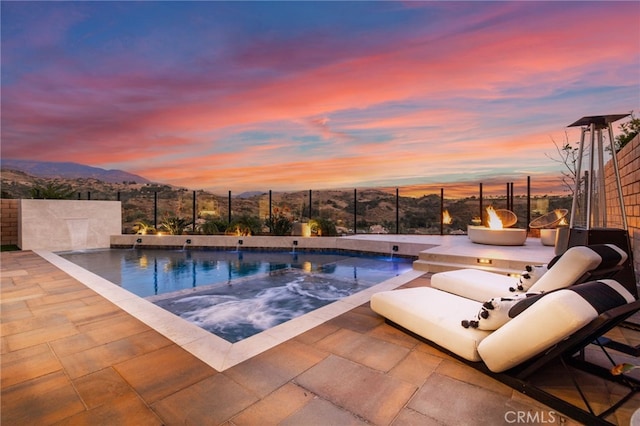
[238, 294]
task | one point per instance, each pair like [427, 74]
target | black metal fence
[163, 208]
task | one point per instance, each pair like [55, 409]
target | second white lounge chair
[576, 265]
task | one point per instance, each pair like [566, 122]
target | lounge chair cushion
[496, 312]
[473, 284]
[577, 261]
[434, 315]
[562, 272]
[551, 319]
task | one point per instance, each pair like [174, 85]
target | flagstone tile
[317, 333]
[33, 323]
[211, 401]
[99, 357]
[366, 350]
[26, 364]
[116, 324]
[461, 372]
[275, 407]
[14, 311]
[87, 313]
[73, 293]
[322, 412]
[409, 417]
[355, 321]
[448, 400]
[42, 400]
[160, 373]
[40, 335]
[25, 293]
[126, 410]
[101, 387]
[368, 393]
[110, 400]
[416, 367]
[394, 336]
[270, 370]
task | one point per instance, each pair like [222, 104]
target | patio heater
[592, 221]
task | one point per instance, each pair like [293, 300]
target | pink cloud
[468, 94]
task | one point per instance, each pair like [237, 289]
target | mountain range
[48, 169]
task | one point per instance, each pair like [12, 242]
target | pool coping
[209, 348]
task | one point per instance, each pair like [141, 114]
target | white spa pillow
[497, 311]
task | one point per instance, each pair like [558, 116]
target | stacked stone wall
[9, 221]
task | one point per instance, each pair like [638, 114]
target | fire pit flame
[498, 231]
[494, 220]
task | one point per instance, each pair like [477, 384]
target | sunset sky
[313, 95]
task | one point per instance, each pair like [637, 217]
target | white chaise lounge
[555, 322]
[436, 315]
[575, 265]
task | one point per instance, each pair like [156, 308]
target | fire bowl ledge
[497, 237]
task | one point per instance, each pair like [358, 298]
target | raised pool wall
[227, 242]
[58, 225]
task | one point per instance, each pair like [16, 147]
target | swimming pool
[236, 294]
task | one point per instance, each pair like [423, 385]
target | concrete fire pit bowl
[497, 237]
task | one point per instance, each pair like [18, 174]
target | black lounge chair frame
[571, 354]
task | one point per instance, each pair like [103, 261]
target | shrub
[280, 222]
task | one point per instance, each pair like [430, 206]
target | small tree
[280, 222]
[568, 152]
[568, 156]
[629, 131]
[52, 191]
[175, 225]
[245, 225]
[321, 226]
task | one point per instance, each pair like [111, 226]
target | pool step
[433, 262]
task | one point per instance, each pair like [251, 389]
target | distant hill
[46, 169]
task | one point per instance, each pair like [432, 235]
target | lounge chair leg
[577, 386]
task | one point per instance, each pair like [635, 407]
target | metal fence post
[193, 226]
[397, 210]
[355, 211]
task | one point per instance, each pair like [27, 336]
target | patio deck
[71, 356]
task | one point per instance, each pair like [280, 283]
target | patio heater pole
[589, 222]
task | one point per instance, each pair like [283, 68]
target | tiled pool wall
[255, 243]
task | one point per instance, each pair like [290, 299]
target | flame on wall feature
[446, 218]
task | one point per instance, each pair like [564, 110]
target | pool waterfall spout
[137, 241]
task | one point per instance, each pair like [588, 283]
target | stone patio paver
[368, 393]
[71, 357]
